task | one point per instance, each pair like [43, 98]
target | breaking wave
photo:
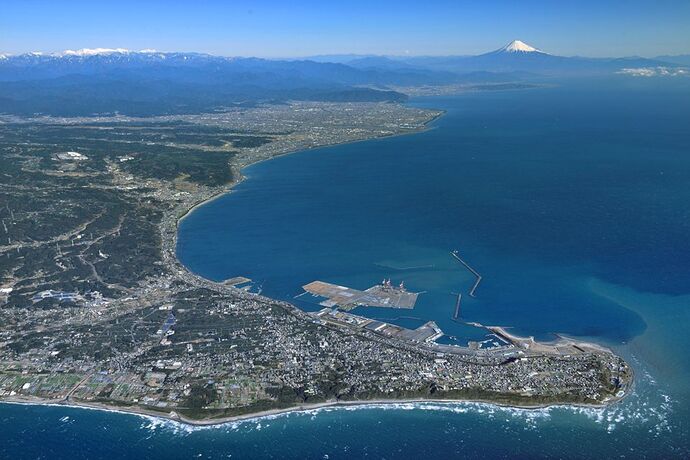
[647, 406]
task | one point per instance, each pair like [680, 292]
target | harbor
[429, 332]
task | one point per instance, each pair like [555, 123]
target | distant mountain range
[516, 56]
[148, 82]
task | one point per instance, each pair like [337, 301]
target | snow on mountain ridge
[100, 51]
[108, 56]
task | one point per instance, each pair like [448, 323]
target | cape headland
[99, 312]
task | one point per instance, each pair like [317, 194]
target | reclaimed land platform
[375, 296]
[237, 280]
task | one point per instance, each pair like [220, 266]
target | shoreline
[303, 408]
[169, 227]
[238, 167]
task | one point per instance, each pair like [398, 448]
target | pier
[456, 315]
[472, 270]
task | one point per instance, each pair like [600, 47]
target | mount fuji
[518, 46]
[518, 56]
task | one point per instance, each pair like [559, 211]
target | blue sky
[302, 28]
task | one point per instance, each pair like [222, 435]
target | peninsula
[96, 310]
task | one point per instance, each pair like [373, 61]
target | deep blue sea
[572, 201]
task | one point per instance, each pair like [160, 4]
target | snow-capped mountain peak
[517, 46]
[94, 51]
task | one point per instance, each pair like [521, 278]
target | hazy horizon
[115, 49]
[271, 29]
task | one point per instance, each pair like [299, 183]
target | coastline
[169, 234]
[303, 408]
[238, 166]
[170, 222]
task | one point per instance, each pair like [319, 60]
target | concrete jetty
[472, 270]
[456, 315]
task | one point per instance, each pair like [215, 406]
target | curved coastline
[238, 166]
[237, 169]
[169, 239]
[170, 223]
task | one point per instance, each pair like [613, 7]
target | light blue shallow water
[573, 202]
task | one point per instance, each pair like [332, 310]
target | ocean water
[572, 201]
